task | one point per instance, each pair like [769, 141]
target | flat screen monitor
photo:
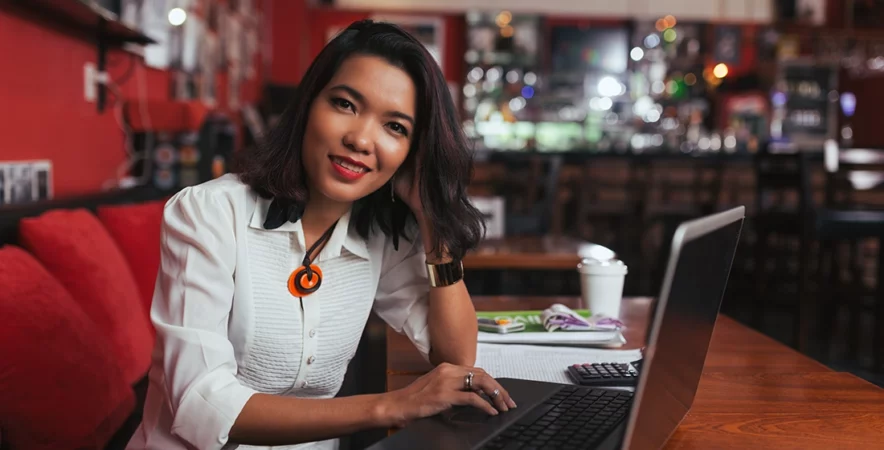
[582, 49]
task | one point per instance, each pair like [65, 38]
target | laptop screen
[675, 361]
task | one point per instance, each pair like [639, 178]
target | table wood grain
[526, 252]
[812, 410]
[754, 392]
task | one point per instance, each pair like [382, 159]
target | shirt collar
[344, 235]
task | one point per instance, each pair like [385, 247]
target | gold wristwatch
[445, 274]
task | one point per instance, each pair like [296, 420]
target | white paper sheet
[543, 363]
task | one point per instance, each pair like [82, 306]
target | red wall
[289, 26]
[44, 115]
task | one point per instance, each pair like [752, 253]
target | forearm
[275, 420]
[453, 326]
[452, 317]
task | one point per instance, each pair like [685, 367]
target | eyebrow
[361, 99]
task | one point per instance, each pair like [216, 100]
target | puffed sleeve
[191, 307]
[403, 292]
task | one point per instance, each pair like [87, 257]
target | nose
[358, 138]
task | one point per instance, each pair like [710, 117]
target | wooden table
[754, 392]
[526, 252]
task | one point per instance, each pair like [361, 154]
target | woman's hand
[442, 389]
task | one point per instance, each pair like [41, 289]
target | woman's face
[359, 129]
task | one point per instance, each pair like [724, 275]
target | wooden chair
[783, 205]
[672, 191]
[529, 187]
[854, 213]
[603, 205]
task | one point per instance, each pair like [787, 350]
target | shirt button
[304, 384]
[310, 360]
[313, 332]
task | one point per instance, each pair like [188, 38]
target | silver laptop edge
[686, 232]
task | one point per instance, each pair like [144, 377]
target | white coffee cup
[601, 285]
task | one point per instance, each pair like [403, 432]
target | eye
[398, 128]
[343, 103]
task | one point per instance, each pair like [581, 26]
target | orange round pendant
[301, 284]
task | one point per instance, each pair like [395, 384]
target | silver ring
[495, 393]
[468, 382]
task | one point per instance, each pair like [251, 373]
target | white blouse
[227, 326]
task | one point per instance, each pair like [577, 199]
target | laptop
[561, 416]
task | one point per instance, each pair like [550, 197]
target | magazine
[541, 327]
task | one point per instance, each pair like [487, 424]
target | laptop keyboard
[573, 418]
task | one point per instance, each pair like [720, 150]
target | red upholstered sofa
[76, 280]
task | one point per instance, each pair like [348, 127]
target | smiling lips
[349, 169]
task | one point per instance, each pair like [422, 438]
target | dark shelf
[87, 16]
[87, 19]
[827, 32]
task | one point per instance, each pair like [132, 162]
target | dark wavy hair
[438, 149]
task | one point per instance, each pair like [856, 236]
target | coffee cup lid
[599, 262]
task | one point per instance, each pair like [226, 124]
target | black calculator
[605, 374]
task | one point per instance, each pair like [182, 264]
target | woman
[268, 277]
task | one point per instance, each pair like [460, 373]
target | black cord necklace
[306, 279]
